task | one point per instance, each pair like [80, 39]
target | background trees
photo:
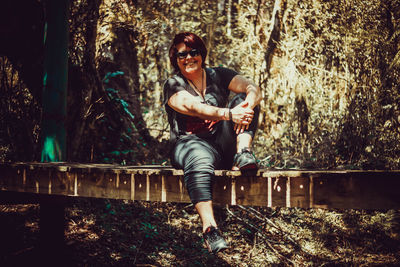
[329, 73]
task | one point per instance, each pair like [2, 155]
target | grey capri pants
[199, 157]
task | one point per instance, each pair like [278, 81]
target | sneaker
[245, 160]
[214, 240]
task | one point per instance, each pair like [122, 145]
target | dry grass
[330, 95]
[330, 85]
[118, 233]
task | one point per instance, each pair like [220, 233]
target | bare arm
[185, 103]
[239, 84]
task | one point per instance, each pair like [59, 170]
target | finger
[249, 117]
[238, 128]
[242, 128]
[247, 121]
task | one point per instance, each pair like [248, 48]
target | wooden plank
[299, 192]
[140, 187]
[358, 190]
[285, 188]
[154, 185]
[222, 190]
[278, 197]
[251, 190]
[123, 186]
[175, 189]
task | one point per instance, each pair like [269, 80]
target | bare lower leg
[206, 213]
[243, 140]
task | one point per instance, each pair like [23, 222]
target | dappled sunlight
[120, 233]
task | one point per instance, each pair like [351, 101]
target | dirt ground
[103, 232]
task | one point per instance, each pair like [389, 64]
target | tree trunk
[83, 82]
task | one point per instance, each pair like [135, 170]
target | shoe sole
[220, 248]
[217, 250]
[249, 167]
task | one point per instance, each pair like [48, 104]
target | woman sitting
[208, 131]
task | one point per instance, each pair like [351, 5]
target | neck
[197, 82]
[195, 76]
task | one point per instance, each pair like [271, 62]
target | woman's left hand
[244, 124]
[239, 128]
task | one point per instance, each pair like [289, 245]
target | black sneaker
[245, 160]
[214, 240]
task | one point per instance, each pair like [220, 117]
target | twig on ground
[259, 232]
[137, 251]
[262, 217]
[172, 210]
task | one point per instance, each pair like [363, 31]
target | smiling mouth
[190, 63]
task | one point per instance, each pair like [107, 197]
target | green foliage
[149, 230]
[111, 75]
[328, 71]
[330, 86]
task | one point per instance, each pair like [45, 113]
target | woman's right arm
[185, 103]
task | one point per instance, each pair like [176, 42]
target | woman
[206, 132]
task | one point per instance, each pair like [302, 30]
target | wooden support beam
[352, 189]
[55, 76]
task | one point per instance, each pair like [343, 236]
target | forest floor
[102, 232]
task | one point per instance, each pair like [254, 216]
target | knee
[236, 100]
[200, 165]
[200, 161]
[239, 98]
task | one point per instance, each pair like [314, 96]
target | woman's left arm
[240, 84]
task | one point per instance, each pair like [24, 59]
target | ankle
[243, 140]
[205, 227]
[244, 148]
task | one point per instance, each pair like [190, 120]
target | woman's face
[188, 63]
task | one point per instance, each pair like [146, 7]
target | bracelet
[230, 114]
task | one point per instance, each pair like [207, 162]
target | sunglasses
[192, 53]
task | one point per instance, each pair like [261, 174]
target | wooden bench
[349, 189]
[52, 185]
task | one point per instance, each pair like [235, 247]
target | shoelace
[212, 235]
[246, 150]
[246, 153]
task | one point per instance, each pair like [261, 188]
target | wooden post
[55, 76]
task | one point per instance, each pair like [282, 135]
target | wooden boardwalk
[349, 189]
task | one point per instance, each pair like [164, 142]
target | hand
[239, 128]
[242, 116]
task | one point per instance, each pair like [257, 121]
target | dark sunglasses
[192, 53]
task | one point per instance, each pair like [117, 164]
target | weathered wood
[287, 188]
[55, 78]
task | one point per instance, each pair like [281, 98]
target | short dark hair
[191, 40]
